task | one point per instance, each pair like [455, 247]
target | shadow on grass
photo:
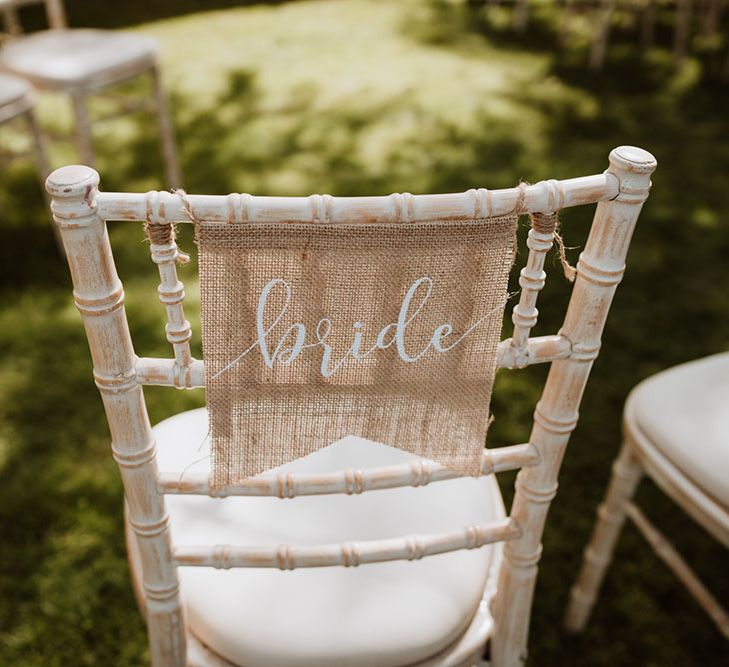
[64, 592]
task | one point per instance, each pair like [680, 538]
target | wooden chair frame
[55, 15]
[638, 457]
[83, 138]
[81, 212]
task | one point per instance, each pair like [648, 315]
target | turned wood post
[99, 297]
[599, 271]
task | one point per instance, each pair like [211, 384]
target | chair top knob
[632, 159]
[75, 181]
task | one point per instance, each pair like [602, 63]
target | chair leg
[682, 30]
[627, 472]
[39, 148]
[647, 26]
[565, 23]
[44, 168]
[600, 45]
[83, 129]
[167, 133]
[521, 15]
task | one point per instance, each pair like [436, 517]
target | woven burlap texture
[343, 283]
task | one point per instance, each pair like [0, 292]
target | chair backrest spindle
[532, 280]
[166, 255]
[11, 22]
[55, 15]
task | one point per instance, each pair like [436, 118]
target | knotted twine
[548, 224]
[166, 233]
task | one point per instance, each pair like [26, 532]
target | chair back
[81, 213]
[12, 26]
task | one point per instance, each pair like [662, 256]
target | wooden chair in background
[343, 508]
[83, 62]
[676, 431]
[687, 13]
[704, 15]
[17, 100]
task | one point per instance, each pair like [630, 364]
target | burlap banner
[388, 331]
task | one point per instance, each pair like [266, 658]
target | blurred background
[371, 97]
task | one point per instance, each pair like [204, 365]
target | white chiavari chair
[83, 62]
[253, 579]
[676, 431]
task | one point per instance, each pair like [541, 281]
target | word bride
[293, 341]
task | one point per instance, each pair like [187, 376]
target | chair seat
[383, 614]
[684, 412]
[16, 96]
[78, 59]
[13, 89]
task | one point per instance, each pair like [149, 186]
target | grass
[367, 97]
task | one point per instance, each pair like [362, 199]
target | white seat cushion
[380, 614]
[16, 97]
[684, 412]
[78, 59]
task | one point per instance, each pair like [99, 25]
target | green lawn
[367, 97]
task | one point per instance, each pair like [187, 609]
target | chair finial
[632, 159]
[73, 193]
[72, 182]
[633, 168]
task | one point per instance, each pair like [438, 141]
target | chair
[675, 431]
[683, 10]
[17, 100]
[603, 11]
[82, 62]
[286, 591]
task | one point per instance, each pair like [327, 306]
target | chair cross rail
[346, 554]
[288, 485]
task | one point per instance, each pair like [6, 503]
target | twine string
[548, 223]
[186, 206]
[166, 233]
